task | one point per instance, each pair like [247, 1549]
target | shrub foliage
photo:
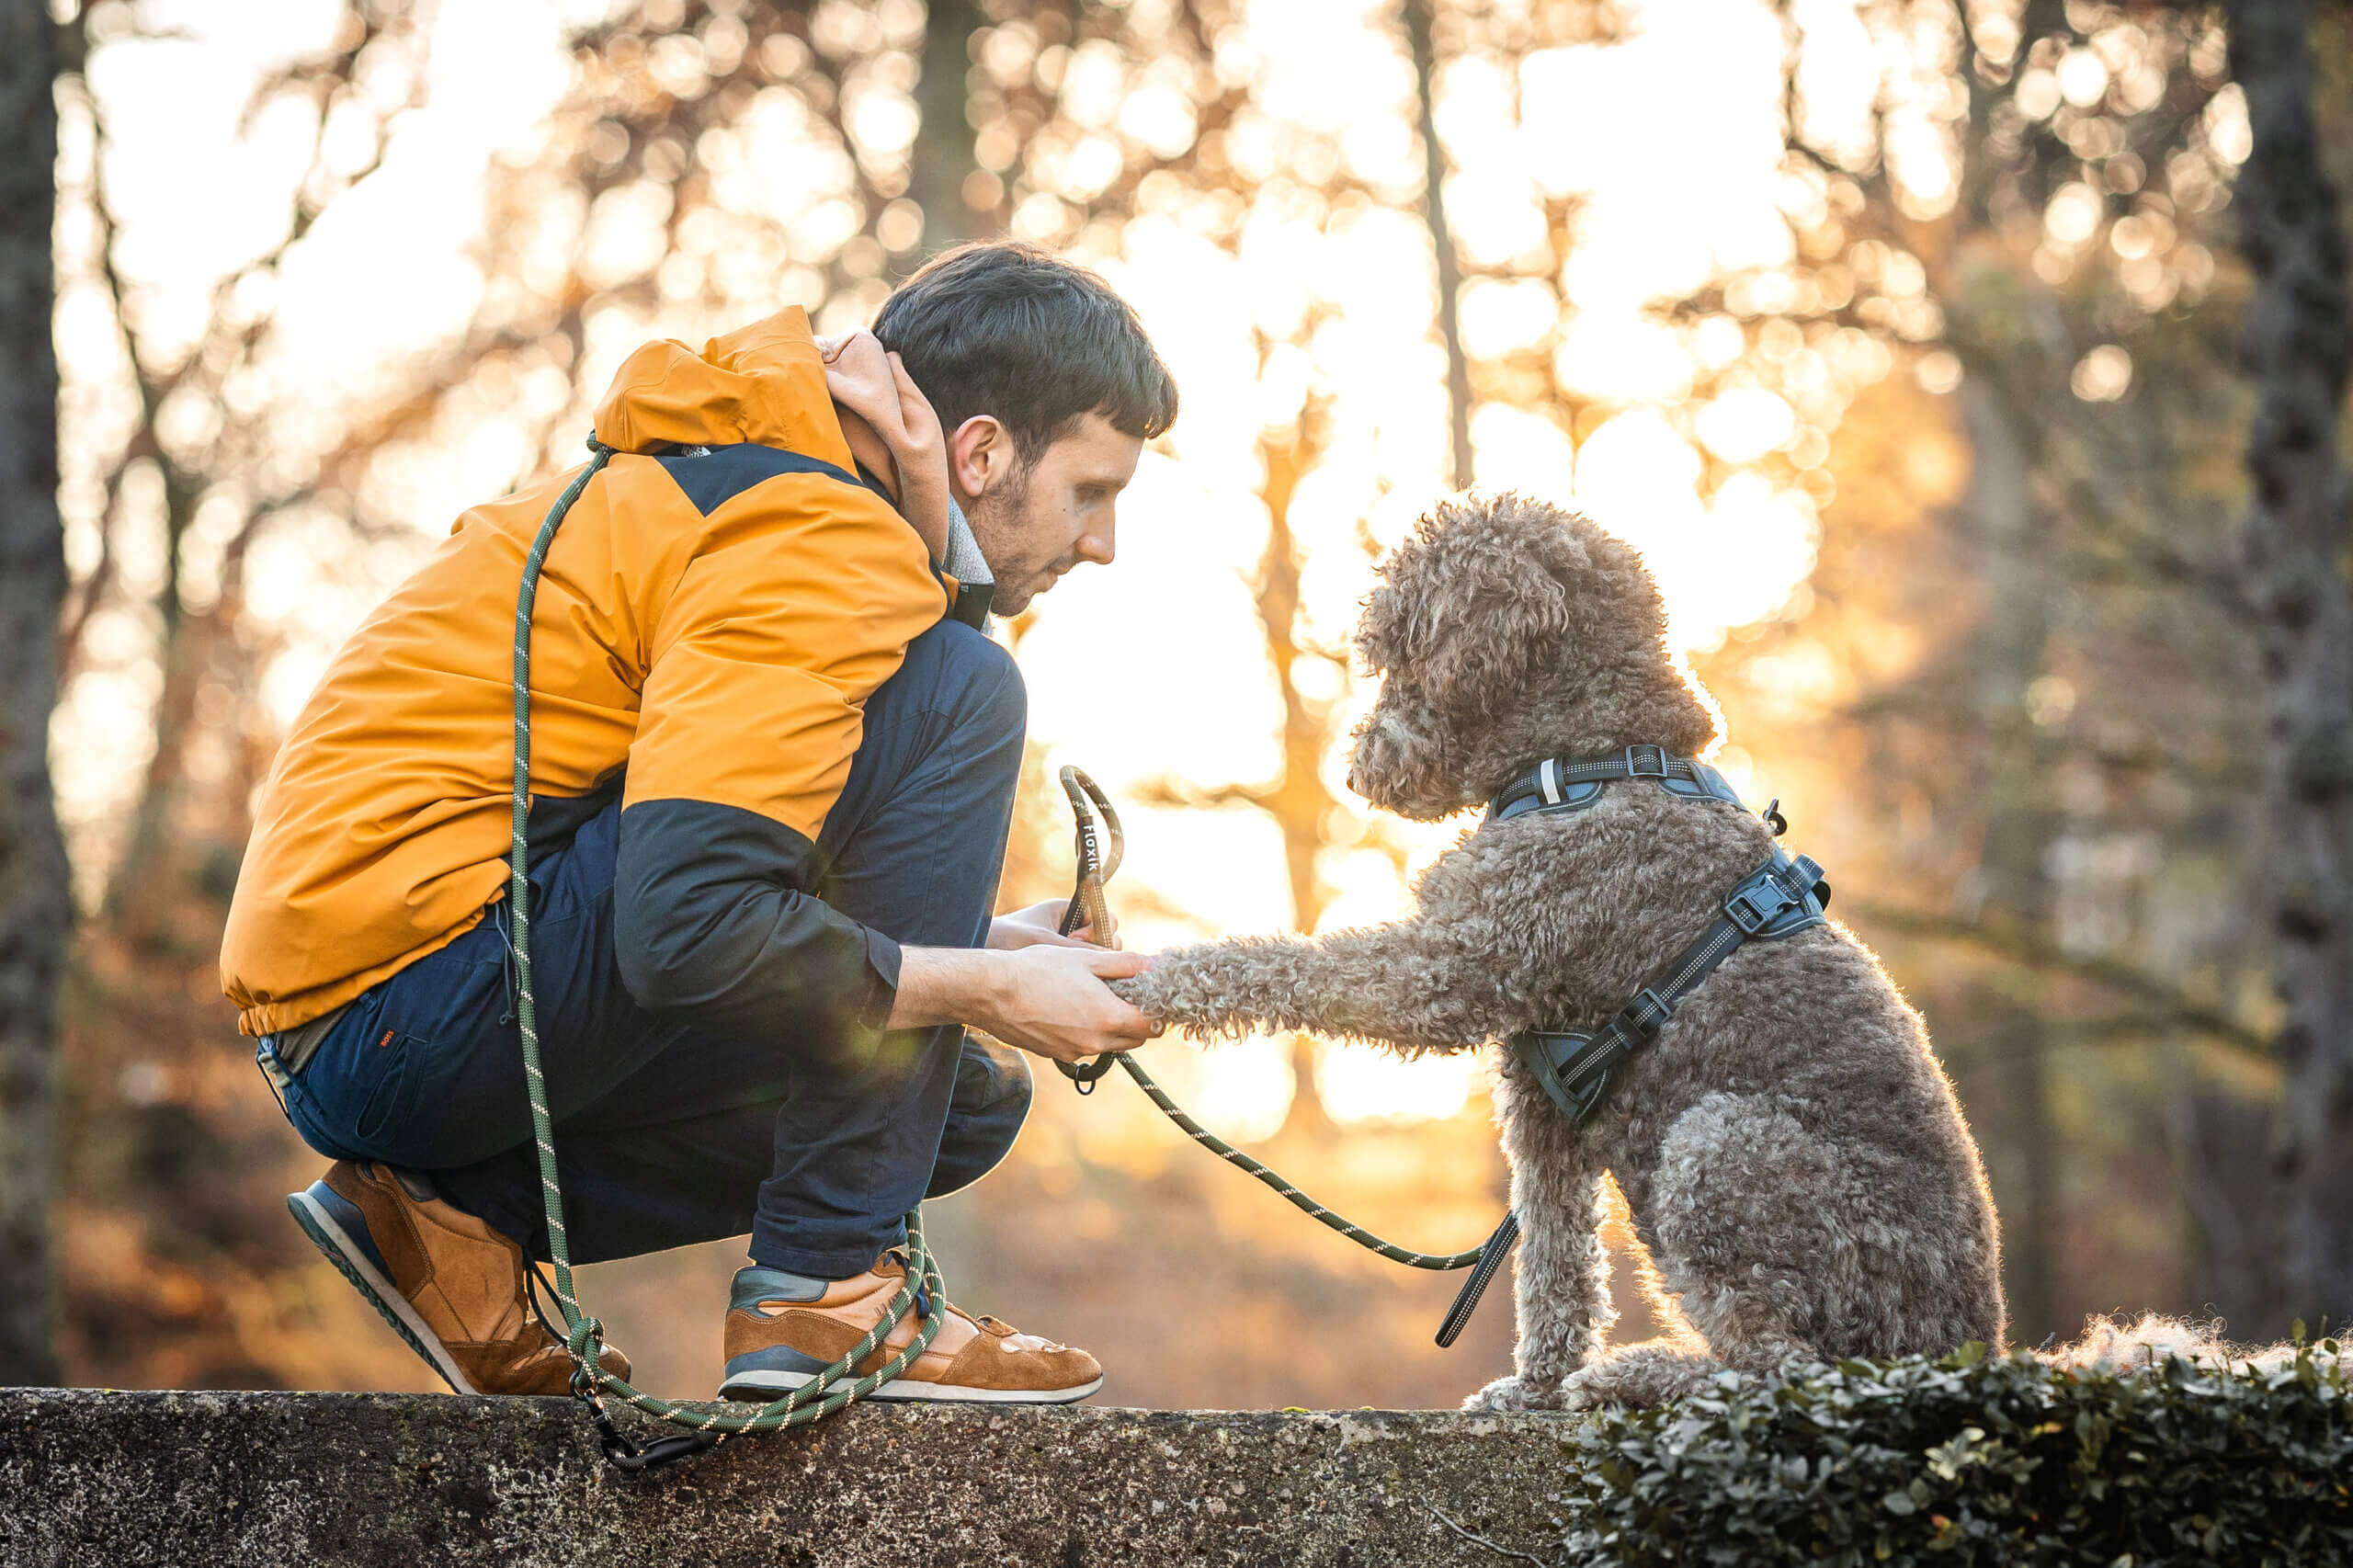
[1978, 1459]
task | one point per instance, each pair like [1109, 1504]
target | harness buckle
[1753, 907]
[1646, 1014]
[1759, 901]
[1638, 755]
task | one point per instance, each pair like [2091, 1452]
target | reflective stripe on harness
[1571, 784]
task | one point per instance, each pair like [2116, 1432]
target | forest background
[1923, 347]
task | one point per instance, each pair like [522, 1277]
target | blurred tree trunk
[1424, 49]
[2300, 345]
[1300, 800]
[2011, 884]
[143, 894]
[942, 169]
[34, 910]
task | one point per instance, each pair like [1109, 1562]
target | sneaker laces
[923, 1293]
[533, 1283]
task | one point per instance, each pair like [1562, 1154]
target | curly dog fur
[1790, 1153]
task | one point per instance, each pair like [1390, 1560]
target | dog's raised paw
[1515, 1393]
[1140, 991]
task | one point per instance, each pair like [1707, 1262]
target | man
[772, 778]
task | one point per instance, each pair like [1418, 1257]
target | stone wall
[411, 1480]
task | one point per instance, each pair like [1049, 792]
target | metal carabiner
[1097, 828]
[620, 1451]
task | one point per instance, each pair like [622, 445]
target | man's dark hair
[1006, 329]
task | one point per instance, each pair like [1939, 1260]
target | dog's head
[1507, 630]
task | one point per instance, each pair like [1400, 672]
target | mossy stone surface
[403, 1481]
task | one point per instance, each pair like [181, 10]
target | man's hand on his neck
[892, 430]
[1050, 1001]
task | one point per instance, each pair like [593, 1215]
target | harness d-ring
[1098, 825]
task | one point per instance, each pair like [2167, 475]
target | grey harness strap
[1571, 784]
[1779, 898]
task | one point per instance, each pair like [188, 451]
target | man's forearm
[947, 986]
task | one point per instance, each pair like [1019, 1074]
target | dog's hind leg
[1760, 1234]
[1562, 1279]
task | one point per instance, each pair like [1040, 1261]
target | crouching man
[773, 761]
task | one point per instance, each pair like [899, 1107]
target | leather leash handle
[1088, 910]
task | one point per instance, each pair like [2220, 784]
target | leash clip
[622, 1452]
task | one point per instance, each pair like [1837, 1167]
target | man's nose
[1100, 542]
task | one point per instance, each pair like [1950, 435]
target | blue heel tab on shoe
[755, 1285]
[776, 1358]
[351, 1222]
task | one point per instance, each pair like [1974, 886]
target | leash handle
[1098, 826]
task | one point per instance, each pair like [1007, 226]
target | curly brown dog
[1789, 1150]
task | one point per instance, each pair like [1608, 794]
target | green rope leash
[1438, 1262]
[1482, 1260]
[1100, 845]
[829, 1389]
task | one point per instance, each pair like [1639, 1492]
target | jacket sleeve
[799, 601]
[717, 922]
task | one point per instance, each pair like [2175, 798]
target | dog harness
[1779, 898]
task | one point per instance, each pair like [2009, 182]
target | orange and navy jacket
[709, 626]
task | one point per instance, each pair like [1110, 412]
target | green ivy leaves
[1977, 1459]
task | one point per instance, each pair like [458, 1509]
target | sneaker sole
[763, 1387]
[390, 1305]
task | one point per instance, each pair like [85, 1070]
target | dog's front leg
[1562, 1278]
[1405, 984]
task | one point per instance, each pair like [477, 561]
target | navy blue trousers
[667, 1134]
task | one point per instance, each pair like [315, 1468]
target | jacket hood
[763, 383]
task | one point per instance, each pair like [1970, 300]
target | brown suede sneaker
[783, 1330]
[448, 1283]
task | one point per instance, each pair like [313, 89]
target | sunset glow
[1668, 143]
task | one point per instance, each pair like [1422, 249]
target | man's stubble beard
[997, 518]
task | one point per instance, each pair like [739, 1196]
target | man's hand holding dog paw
[1058, 1006]
[1140, 990]
[1050, 1001]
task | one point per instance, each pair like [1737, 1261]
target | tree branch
[2033, 952]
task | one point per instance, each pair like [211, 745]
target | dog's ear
[1494, 613]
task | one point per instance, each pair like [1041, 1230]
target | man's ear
[1489, 631]
[980, 454]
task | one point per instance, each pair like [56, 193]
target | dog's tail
[2118, 1346]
